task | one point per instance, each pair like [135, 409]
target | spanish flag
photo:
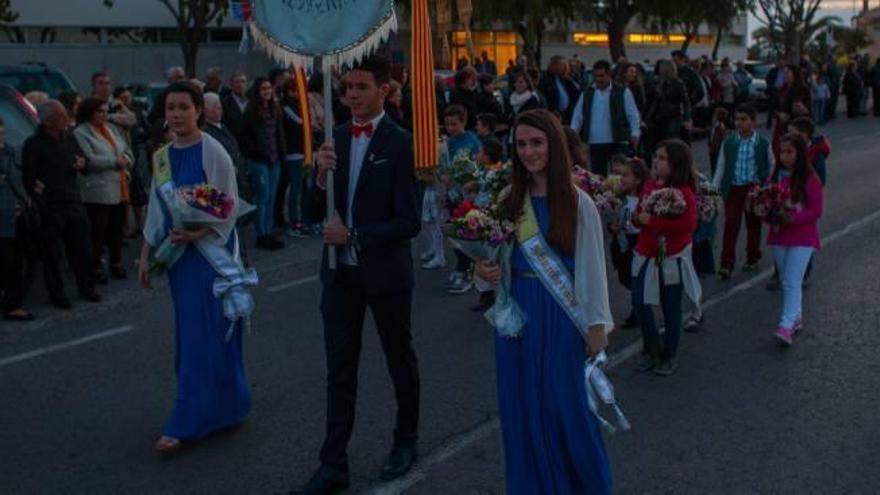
[426, 132]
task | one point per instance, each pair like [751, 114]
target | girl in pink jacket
[797, 236]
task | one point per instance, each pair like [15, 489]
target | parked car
[36, 76]
[758, 88]
[19, 116]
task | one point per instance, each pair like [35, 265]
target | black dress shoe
[399, 462]
[90, 296]
[62, 302]
[325, 481]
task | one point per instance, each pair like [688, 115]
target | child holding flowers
[795, 236]
[667, 215]
[633, 176]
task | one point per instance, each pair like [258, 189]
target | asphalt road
[85, 393]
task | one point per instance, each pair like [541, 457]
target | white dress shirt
[359, 147]
[601, 131]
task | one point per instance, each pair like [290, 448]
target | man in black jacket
[235, 104]
[377, 216]
[559, 90]
[50, 168]
[693, 82]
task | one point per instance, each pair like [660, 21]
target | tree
[687, 16]
[791, 24]
[7, 15]
[615, 16]
[193, 18]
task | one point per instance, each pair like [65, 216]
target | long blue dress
[552, 442]
[212, 389]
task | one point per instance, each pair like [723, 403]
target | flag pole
[328, 137]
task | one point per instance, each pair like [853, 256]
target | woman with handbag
[12, 206]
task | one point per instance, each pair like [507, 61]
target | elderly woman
[104, 183]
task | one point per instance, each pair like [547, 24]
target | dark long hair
[255, 103]
[682, 173]
[802, 169]
[561, 195]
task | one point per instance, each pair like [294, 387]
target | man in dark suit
[377, 216]
[235, 104]
[559, 90]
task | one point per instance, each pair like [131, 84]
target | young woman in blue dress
[552, 441]
[212, 389]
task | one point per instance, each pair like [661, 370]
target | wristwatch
[353, 239]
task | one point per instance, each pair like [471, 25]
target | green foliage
[7, 15]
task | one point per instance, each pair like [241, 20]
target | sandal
[167, 445]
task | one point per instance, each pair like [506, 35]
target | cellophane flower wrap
[709, 202]
[483, 234]
[771, 202]
[193, 206]
[666, 202]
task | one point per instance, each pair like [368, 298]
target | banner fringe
[342, 59]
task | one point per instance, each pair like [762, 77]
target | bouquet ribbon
[599, 388]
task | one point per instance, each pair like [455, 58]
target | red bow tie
[365, 130]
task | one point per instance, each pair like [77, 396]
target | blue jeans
[670, 302]
[264, 182]
[791, 263]
[819, 111]
[294, 170]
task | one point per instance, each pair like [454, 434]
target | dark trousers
[876, 101]
[734, 209]
[343, 305]
[703, 258]
[601, 154]
[852, 105]
[463, 262]
[670, 303]
[108, 223]
[67, 225]
[11, 274]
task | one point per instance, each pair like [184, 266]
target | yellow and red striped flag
[426, 132]
[302, 95]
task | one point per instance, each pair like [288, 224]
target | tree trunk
[688, 38]
[615, 40]
[190, 56]
[718, 36]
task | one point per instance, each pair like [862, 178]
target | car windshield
[48, 82]
[759, 71]
[18, 125]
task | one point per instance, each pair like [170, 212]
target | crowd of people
[83, 189]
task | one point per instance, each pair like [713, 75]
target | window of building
[590, 39]
[601, 39]
[502, 46]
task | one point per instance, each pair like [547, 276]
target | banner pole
[328, 137]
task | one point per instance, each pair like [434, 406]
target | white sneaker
[434, 263]
[461, 286]
[454, 277]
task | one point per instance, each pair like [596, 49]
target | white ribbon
[599, 388]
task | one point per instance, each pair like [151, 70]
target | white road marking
[292, 283]
[461, 442]
[64, 345]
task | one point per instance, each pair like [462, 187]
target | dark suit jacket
[385, 211]
[548, 89]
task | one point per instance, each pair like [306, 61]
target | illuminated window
[646, 39]
[590, 38]
[502, 47]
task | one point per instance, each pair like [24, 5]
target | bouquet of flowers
[708, 202]
[492, 182]
[201, 204]
[666, 202]
[608, 203]
[464, 169]
[588, 181]
[483, 234]
[772, 202]
[614, 184]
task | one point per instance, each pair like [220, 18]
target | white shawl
[590, 278]
[220, 173]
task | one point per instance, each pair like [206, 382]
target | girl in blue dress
[212, 389]
[552, 441]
